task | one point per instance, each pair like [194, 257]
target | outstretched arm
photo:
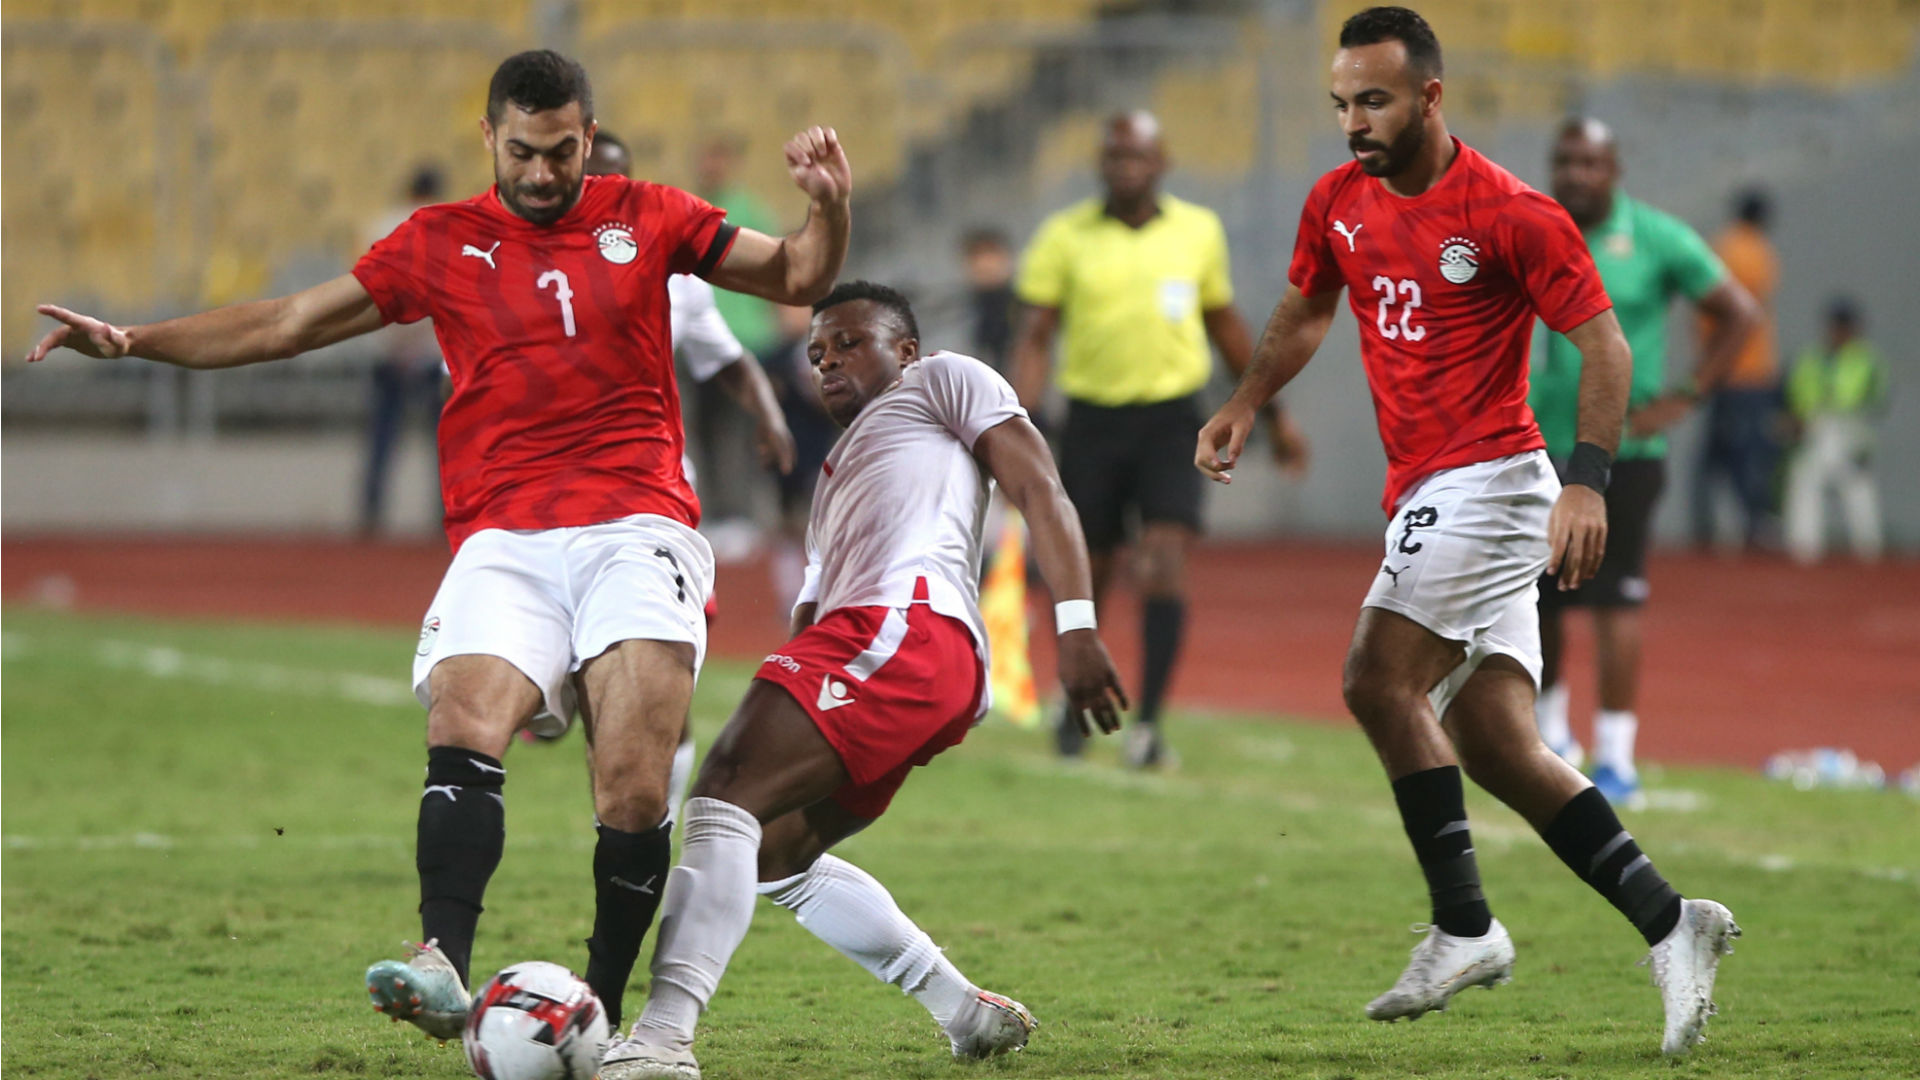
[800, 267]
[1577, 527]
[224, 337]
[1018, 458]
[745, 381]
[1298, 325]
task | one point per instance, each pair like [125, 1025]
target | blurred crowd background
[162, 156]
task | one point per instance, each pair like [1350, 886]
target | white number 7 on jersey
[561, 292]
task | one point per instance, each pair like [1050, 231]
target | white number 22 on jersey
[563, 292]
[1408, 289]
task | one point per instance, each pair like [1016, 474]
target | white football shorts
[1464, 556]
[549, 600]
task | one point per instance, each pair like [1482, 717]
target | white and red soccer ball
[535, 1021]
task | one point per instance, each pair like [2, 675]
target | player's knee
[631, 806]
[456, 719]
[1369, 695]
[720, 770]
[1163, 560]
[789, 862]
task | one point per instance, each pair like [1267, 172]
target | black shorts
[1117, 461]
[1632, 492]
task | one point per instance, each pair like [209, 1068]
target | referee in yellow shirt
[1136, 282]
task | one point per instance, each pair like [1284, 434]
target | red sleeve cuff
[383, 297]
[1566, 322]
[717, 248]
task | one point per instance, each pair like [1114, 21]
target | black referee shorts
[1632, 492]
[1131, 460]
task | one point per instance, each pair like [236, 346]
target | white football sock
[678, 779]
[1550, 713]
[703, 917]
[1613, 732]
[848, 909]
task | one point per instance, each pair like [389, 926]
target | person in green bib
[1646, 259]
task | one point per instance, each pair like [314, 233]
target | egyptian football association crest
[1459, 259]
[616, 243]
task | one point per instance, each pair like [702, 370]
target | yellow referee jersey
[1130, 299]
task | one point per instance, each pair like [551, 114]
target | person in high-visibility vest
[1837, 391]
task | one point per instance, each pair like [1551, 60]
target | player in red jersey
[1448, 259]
[571, 523]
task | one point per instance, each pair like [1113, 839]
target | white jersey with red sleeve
[564, 409]
[902, 498]
[1445, 286]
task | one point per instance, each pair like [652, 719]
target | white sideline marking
[163, 662]
[143, 841]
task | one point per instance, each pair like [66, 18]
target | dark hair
[891, 299]
[603, 137]
[984, 236]
[1842, 311]
[426, 183]
[1753, 206]
[538, 80]
[1378, 24]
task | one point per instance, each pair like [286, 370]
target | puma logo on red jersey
[1341, 228]
[469, 249]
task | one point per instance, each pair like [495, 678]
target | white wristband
[1072, 615]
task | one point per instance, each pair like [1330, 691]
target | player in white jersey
[887, 667]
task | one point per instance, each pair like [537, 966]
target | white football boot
[632, 1059]
[997, 1025]
[424, 990]
[1442, 966]
[1684, 965]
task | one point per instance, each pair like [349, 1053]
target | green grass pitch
[209, 827]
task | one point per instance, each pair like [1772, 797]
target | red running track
[1744, 656]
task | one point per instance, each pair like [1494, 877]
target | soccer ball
[535, 1021]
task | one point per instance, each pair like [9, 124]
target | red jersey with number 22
[1446, 286]
[564, 409]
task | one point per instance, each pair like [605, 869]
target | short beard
[542, 216]
[1401, 152]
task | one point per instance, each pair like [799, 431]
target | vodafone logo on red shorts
[833, 694]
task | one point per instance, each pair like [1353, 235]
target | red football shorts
[889, 688]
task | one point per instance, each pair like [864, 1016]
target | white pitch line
[164, 662]
[144, 841]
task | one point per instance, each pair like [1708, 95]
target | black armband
[1589, 466]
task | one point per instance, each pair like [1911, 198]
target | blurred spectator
[1741, 447]
[749, 317]
[408, 373]
[719, 440]
[1836, 391]
[988, 258]
[813, 435]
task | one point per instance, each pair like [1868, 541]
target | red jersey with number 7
[564, 409]
[1446, 286]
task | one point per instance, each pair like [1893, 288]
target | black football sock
[1434, 810]
[463, 827]
[1163, 623]
[1587, 836]
[629, 874]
